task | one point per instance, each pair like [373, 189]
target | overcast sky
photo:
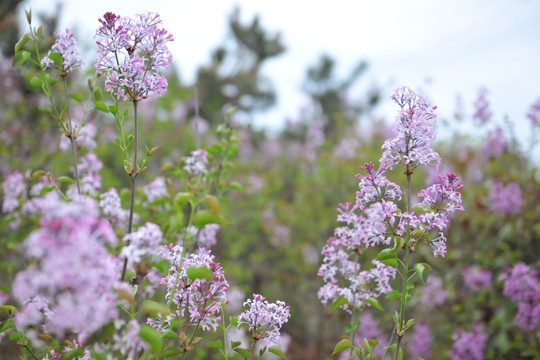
[444, 48]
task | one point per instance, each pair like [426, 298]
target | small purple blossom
[481, 107]
[195, 165]
[534, 113]
[433, 294]
[131, 51]
[476, 279]
[14, 188]
[469, 345]
[111, 205]
[421, 340]
[413, 133]
[65, 45]
[506, 199]
[155, 190]
[263, 318]
[142, 243]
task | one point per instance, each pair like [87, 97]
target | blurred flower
[496, 143]
[72, 272]
[207, 235]
[506, 199]
[130, 52]
[476, 279]
[110, 204]
[534, 113]
[469, 345]
[420, 342]
[263, 318]
[142, 243]
[155, 190]
[413, 133]
[433, 294]
[196, 163]
[481, 107]
[14, 188]
[127, 341]
[65, 45]
[368, 329]
[85, 139]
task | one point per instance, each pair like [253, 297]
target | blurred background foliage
[293, 183]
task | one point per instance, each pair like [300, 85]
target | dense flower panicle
[375, 187]
[66, 45]
[413, 133]
[534, 113]
[469, 345]
[111, 205]
[131, 51]
[522, 285]
[201, 297]
[89, 167]
[196, 163]
[481, 107]
[263, 318]
[207, 235]
[420, 342]
[72, 269]
[14, 189]
[142, 243]
[506, 199]
[127, 341]
[496, 143]
[476, 279]
[155, 190]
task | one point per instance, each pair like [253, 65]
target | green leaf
[97, 95]
[170, 335]
[199, 272]
[418, 208]
[277, 351]
[77, 97]
[339, 302]
[163, 266]
[409, 323]
[99, 105]
[342, 345]
[14, 336]
[46, 189]
[386, 254]
[46, 110]
[365, 342]
[153, 150]
[35, 81]
[151, 336]
[375, 303]
[217, 344]
[213, 204]
[235, 344]
[74, 353]
[57, 59]
[173, 352]
[65, 180]
[244, 352]
[153, 307]
[236, 186]
[6, 324]
[21, 57]
[113, 109]
[233, 320]
[23, 40]
[182, 198]
[10, 309]
[176, 222]
[28, 16]
[393, 295]
[423, 270]
[104, 334]
[203, 217]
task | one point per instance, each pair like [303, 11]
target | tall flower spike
[65, 45]
[413, 133]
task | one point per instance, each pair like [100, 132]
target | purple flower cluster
[155, 190]
[263, 318]
[368, 329]
[476, 279]
[534, 113]
[202, 297]
[433, 294]
[506, 199]
[469, 345]
[131, 51]
[481, 106]
[69, 288]
[496, 143]
[14, 188]
[111, 205]
[522, 285]
[196, 163]
[413, 133]
[65, 45]
[421, 340]
[142, 243]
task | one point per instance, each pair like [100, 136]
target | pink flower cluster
[14, 188]
[201, 297]
[196, 163]
[522, 285]
[69, 288]
[142, 243]
[263, 318]
[506, 199]
[131, 51]
[469, 345]
[481, 106]
[476, 279]
[413, 133]
[65, 45]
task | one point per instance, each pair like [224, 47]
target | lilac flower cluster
[142, 243]
[14, 189]
[196, 163]
[368, 329]
[263, 318]
[70, 286]
[469, 345]
[496, 143]
[65, 45]
[110, 204]
[413, 133]
[155, 190]
[421, 340]
[481, 106]
[89, 168]
[476, 279]
[433, 294]
[506, 199]
[131, 51]
[522, 285]
[534, 113]
[201, 297]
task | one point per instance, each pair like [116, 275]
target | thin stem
[30, 351]
[72, 138]
[134, 170]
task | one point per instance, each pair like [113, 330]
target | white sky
[443, 48]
